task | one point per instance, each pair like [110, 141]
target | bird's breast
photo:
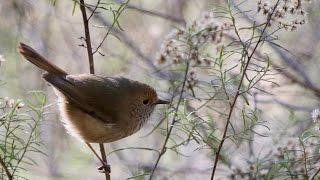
[138, 117]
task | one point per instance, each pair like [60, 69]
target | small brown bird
[94, 108]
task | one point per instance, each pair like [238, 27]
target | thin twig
[174, 120]
[104, 158]
[94, 10]
[115, 21]
[91, 64]
[238, 91]
[87, 34]
[3, 164]
[130, 44]
[94, 152]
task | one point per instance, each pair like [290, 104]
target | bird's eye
[145, 102]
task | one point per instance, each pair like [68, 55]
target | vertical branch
[91, 64]
[87, 35]
[104, 158]
[217, 155]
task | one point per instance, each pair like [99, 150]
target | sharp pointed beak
[160, 101]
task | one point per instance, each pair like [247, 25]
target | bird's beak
[160, 101]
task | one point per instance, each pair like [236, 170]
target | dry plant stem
[94, 10]
[95, 153]
[115, 20]
[174, 120]
[91, 64]
[3, 164]
[238, 91]
[87, 34]
[103, 154]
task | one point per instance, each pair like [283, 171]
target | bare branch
[87, 34]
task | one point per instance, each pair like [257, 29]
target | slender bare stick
[95, 153]
[104, 157]
[87, 34]
[91, 64]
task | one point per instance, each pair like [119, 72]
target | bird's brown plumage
[96, 108]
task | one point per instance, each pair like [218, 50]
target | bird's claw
[104, 168]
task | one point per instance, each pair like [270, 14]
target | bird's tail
[35, 58]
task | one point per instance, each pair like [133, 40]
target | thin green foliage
[19, 133]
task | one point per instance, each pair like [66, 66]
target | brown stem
[91, 64]
[104, 158]
[238, 92]
[95, 153]
[87, 34]
[3, 164]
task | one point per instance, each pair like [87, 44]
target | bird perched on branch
[97, 109]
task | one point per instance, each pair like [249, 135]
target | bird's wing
[89, 93]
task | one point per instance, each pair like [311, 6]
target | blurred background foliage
[133, 49]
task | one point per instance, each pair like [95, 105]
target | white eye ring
[145, 102]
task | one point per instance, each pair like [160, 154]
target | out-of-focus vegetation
[242, 76]
[19, 125]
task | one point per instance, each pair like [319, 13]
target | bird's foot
[105, 168]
